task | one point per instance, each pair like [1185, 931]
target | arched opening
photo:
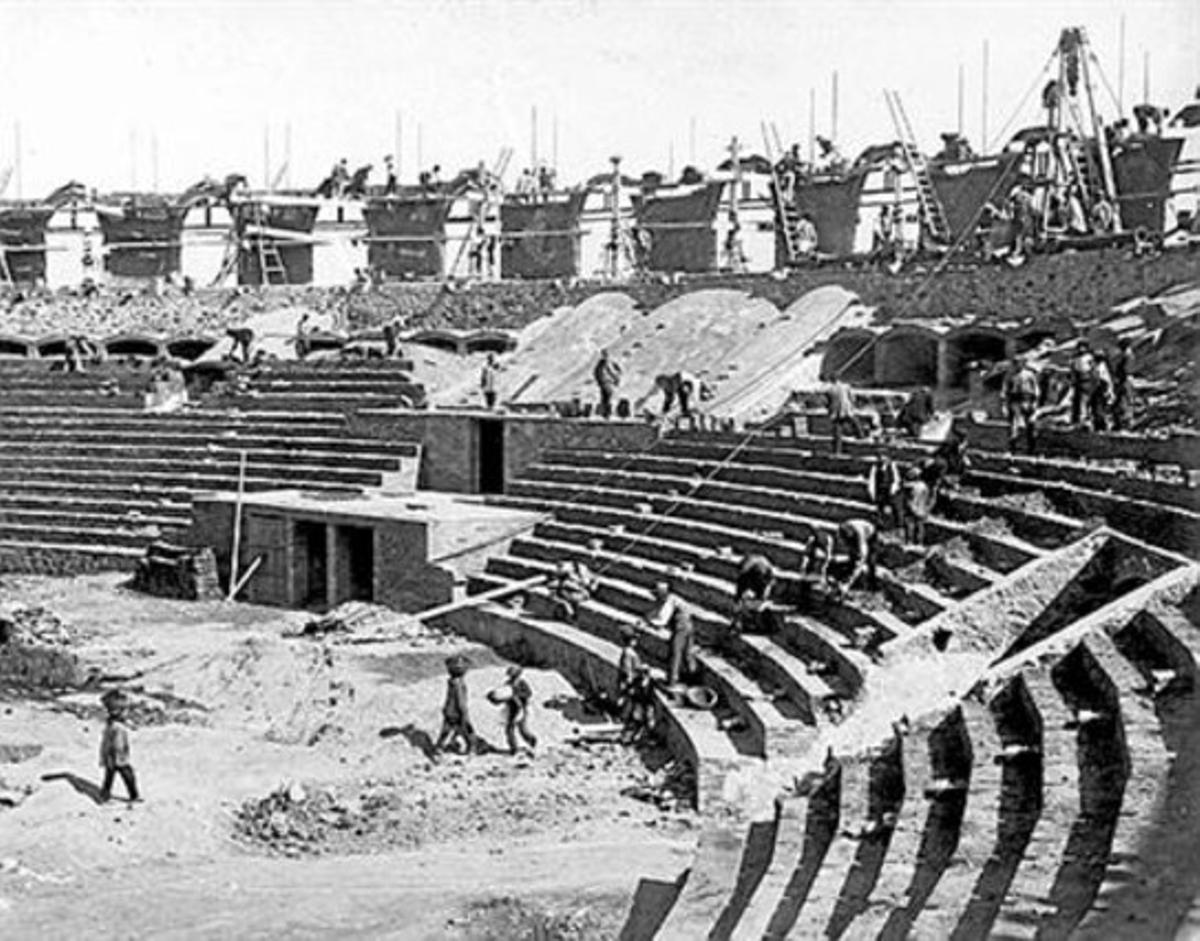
[850, 356]
[133, 346]
[438, 341]
[15, 347]
[190, 349]
[52, 347]
[971, 345]
[490, 343]
[907, 356]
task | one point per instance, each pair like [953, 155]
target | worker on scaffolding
[488, 379]
[389, 169]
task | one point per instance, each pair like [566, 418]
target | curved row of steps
[1166, 513]
[89, 486]
[1055, 800]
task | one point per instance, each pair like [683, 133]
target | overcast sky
[94, 82]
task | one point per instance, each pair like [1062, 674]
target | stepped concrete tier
[89, 479]
[1024, 776]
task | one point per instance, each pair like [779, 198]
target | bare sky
[94, 82]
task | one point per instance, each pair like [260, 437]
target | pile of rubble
[293, 820]
[35, 650]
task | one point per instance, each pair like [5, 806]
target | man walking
[516, 718]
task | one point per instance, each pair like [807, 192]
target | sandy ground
[228, 711]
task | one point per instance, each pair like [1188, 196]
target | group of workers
[1099, 393]
[853, 548]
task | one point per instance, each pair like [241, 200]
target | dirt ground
[288, 789]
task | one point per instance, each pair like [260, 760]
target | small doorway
[312, 565]
[356, 563]
[491, 455]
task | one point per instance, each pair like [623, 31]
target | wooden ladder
[476, 232]
[270, 261]
[932, 213]
[786, 213]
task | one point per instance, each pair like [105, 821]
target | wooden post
[237, 525]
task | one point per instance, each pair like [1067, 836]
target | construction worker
[487, 380]
[860, 540]
[303, 345]
[755, 579]
[1102, 394]
[839, 401]
[884, 489]
[1122, 369]
[917, 507]
[341, 176]
[806, 236]
[1019, 401]
[573, 584]
[516, 711]
[607, 374]
[629, 665]
[456, 720]
[389, 168]
[916, 411]
[672, 613]
[1083, 378]
[678, 385]
[243, 339]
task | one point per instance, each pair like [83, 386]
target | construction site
[274, 461]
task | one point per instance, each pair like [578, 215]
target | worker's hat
[513, 671]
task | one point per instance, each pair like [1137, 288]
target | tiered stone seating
[1165, 512]
[87, 481]
[1053, 801]
[328, 386]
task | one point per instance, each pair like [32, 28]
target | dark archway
[907, 356]
[850, 355]
[983, 345]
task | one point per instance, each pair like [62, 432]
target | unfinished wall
[450, 440]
